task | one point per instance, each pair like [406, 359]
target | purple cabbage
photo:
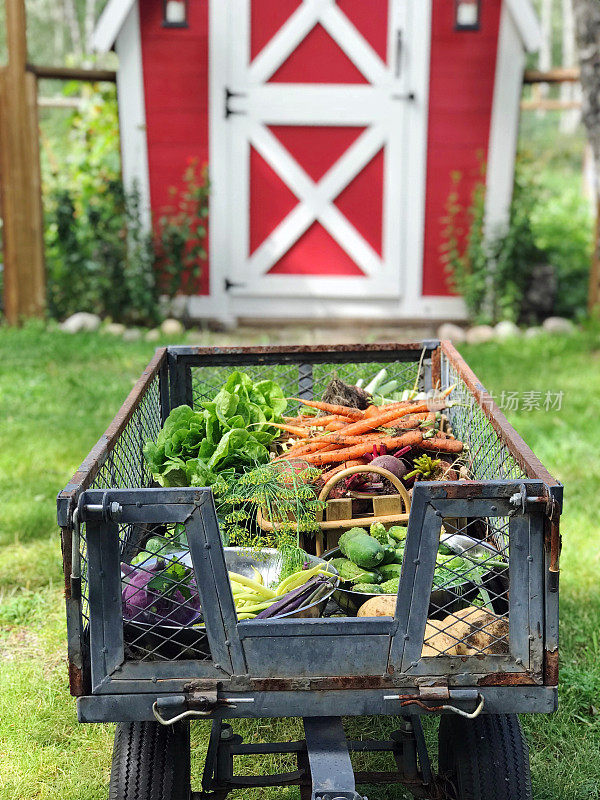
[154, 606]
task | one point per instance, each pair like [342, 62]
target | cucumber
[366, 588]
[399, 555]
[397, 532]
[389, 554]
[350, 572]
[361, 548]
[367, 576]
[390, 587]
[378, 531]
[390, 571]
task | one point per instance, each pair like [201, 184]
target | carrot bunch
[344, 435]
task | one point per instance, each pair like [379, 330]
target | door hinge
[228, 95]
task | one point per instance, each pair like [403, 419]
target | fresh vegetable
[351, 572]
[392, 464]
[384, 606]
[329, 408]
[390, 586]
[389, 554]
[412, 438]
[297, 598]
[441, 445]
[378, 531]
[230, 432]
[160, 594]
[361, 548]
[366, 588]
[397, 532]
[389, 571]
[376, 382]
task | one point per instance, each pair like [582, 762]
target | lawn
[57, 395]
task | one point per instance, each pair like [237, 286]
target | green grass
[57, 395]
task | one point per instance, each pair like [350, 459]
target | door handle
[399, 48]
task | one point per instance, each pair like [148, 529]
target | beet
[392, 464]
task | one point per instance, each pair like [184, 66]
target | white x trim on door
[253, 104]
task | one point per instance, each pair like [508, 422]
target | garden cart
[154, 679]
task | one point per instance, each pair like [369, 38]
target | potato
[466, 632]
[383, 606]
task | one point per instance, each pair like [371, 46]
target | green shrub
[493, 272]
[99, 255]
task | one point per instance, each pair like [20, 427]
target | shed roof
[115, 13]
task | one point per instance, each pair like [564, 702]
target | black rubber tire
[486, 758]
[150, 762]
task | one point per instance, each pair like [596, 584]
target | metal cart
[153, 679]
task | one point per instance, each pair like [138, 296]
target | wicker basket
[390, 509]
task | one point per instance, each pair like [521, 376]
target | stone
[172, 327]
[115, 328]
[132, 335]
[479, 334]
[450, 331]
[506, 330]
[558, 325]
[531, 333]
[81, 321]
[152, 335]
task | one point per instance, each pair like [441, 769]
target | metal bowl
[268, 562]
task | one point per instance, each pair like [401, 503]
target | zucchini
[390, 571]
[390, 587]
[361, 548]
[366, 588]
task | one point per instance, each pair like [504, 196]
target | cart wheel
[150, 762]
[484, 758]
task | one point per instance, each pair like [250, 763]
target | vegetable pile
[372, 561]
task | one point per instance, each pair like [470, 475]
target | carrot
[438, 444]
[411, 421]
[295, 430]
[413, 438]
[329, 408]
[306, 448]
[377, 421]
[336, 426]
[323, 421]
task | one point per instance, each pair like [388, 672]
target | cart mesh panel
[302, 380]
[468, 610]
[125, 466]
[161, 602]
[490, 458]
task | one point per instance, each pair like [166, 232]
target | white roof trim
[110, 23]
[115, 13]
[527, 23]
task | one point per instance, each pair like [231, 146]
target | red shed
[332, 129]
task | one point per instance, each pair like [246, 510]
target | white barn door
[312, 146]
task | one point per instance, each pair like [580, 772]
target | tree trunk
[587, 30]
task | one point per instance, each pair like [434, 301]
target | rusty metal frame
[173, 367]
